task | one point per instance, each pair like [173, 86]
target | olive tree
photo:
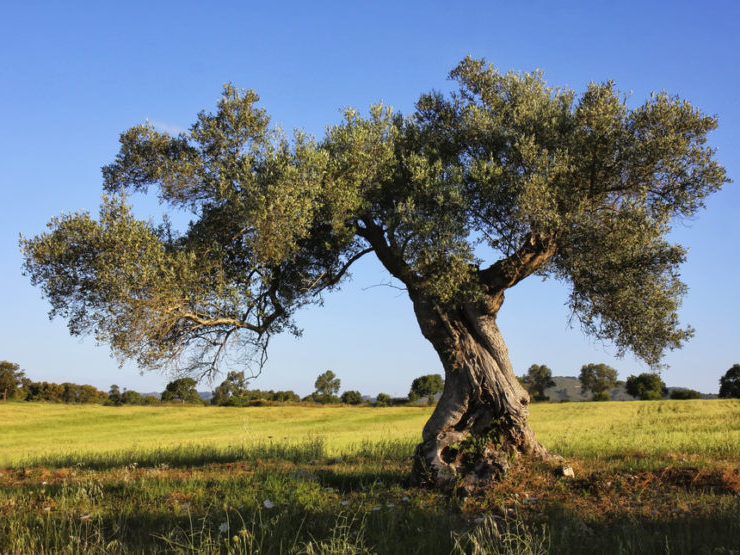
[460, 200]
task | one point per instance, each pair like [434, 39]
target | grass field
[656, 477]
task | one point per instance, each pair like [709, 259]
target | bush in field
[729, 384]
[683, 393]
[255, 396]
[383, 400]
[321, 398]
[647, 387]
[351, 397]
[288, 396]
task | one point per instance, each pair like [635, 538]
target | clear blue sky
[74, 75]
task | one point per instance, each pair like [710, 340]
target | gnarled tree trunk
[480, 421]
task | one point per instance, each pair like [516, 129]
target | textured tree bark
[481, 420]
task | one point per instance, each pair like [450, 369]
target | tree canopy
[460, 200]
[327, 384]
[428, 386]
[183, 390]
[597, 378]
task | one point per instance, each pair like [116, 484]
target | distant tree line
[234, 391]
[15, 385]
[598, 379]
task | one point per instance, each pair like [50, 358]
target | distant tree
[647, 386]
[131, 397]
[426, 386]
[288, 396]
[45, 391]
[351, 397]
[327, 384]
[537, 380]
[22, 392]
[90, 394]
[71, 392]
[11, 378]
[234, 386]
[383, 400]
[114, 396]
[729, 384]
[597, 378]
[683, 393]
[182, 390]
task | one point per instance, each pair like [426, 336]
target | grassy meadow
[660, 477]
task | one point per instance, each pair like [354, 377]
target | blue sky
[74, 75]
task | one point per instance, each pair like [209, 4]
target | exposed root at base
[468, 472]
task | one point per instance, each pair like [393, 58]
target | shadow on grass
[296, 528]
[284, 529]
[717, 533]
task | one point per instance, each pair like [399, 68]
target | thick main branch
[507, 272]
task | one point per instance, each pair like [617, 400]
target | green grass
[652, 429]
[43, 433]
[60, 435]
[652, 477]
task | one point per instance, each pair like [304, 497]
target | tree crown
[646, 386]
[597, 378]
[327, 384]
[460, 200]
[537, 380]
[426, 386]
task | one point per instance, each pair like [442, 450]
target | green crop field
[650, 477]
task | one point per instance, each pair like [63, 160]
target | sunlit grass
[645, 428]
[42, 433]
[46, 432]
